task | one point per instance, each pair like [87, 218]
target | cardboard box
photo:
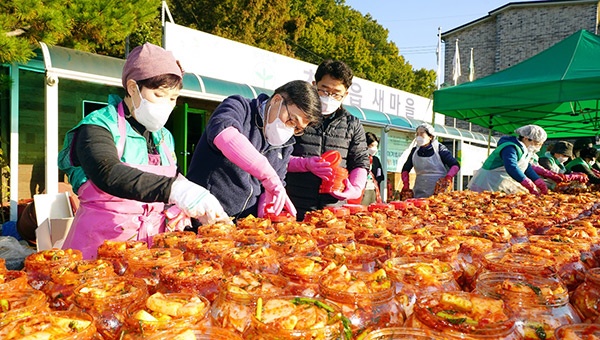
[54, 216]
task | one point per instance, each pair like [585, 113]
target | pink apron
[102, 216]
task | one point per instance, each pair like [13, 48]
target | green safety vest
[135, 151]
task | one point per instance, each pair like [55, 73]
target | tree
[99, 26]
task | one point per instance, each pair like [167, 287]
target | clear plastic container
[295, 317]
[566, 258]
[198, 333]
[304, 273]
[392, 244]
[14, 280]
[404, 333]
[238, 295]
[166, 311]
[253, 236]
[147, 263]
[256, 223]
[327, 236]
[219, 230]
[39, 265]
[355, 256]
[415, 277]
[174, 239]
[464, 315]
[324, 219]
[254, 258]
[290, 244]
[366, 299]
[65, 278]
[294, 227]
[196, 277]
[586, 297]
[116, 252]
[540, 305]
[64, 325]
[578, 332]
[19, 304]
[107, 300]
[207, 248]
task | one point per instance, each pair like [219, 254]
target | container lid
[332, 156]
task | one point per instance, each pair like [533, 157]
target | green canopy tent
[558, 89]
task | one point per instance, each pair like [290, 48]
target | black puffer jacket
[342, 132]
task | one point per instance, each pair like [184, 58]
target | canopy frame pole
[489, 136]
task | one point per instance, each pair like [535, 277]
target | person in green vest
[508, 168]
[121, 161]
[551, 165]
[584, 163]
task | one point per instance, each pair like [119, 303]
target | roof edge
[510, 5]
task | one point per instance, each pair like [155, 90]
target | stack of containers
[336, 183]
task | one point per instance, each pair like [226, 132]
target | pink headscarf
[149, 61]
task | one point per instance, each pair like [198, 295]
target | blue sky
[413, 24]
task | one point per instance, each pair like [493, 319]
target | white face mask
[420, 140]
[591, 163]
[372, 151]
[533, 149]
[329, 105]
[562, 159]
[277, 132]
[153, 116]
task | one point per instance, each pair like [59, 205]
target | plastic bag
[10, 248]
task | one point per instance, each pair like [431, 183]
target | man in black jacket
[339, 131]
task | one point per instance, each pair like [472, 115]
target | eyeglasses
[335, 96]
[293, 122]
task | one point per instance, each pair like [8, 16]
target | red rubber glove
[452, 172]
[541, 185]
[577, 176]
[548, 174]
[405, 181]
[528, 184]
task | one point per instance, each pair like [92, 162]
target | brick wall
[513, 34]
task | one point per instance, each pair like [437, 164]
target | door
[187, 125]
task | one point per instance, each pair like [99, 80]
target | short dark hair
[588, 153]
[305, 97]
[581, 143]
[335, 69]
[167, 80]
[371, 137]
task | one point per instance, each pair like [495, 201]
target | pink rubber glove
[405, 180]
[238, 149]
[541, 185]
[530, 186]
[321, 169]
[577, 176]
[547, 173]
[451, 173]
[355, 183]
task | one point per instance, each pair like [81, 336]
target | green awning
[557, 89]
[225, 88]
[90, 67]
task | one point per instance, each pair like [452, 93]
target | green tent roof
[558, 89]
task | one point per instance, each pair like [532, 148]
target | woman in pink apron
[121, 164]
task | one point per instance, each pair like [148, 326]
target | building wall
[514, 34]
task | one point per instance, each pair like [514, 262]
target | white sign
[212, 56]
[472, 163]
